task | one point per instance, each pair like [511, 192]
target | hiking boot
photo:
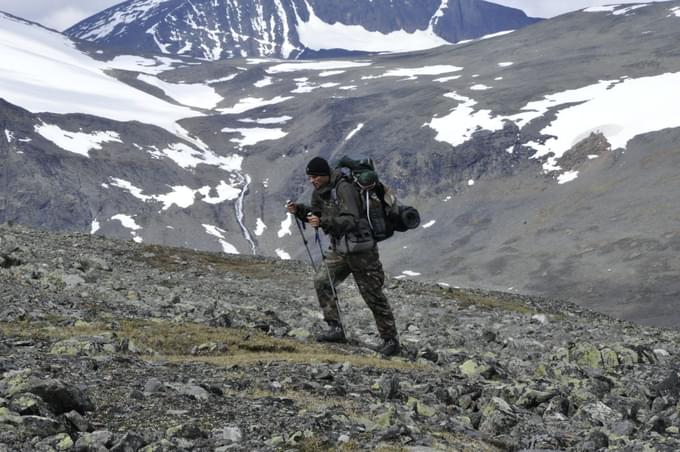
[390, 347]
[334, 333]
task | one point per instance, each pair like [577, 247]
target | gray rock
[60, 397]
[58, 442]
[28, 403]
[498, 417]
[130, 442]
[190, 390]
[153, 385]
[97, 441]
[41, 426]
[229, 435]
[78, 421]
[189, 431]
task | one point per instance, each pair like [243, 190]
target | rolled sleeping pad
[408, 218]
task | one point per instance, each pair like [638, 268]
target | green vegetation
[468, 298]
[176, 341]
[176, 259]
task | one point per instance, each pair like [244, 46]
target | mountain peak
[286, 28]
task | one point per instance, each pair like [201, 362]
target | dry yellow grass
[175, 341]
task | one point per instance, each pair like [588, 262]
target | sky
[61, 14]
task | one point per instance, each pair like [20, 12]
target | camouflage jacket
[339, 206]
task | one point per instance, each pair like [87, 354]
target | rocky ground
[112, 345]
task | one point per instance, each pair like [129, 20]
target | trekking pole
[304, 240]
[317, 239]
[301, 226]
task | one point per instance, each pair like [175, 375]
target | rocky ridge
[113, 345]
[276, 28]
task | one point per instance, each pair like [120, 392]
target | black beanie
[318, 167]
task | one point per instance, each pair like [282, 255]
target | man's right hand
[291, 207]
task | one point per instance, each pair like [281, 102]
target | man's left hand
[314, 221]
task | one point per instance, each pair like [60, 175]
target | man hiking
[336, 207]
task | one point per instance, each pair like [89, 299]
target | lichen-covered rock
[128, 442]
[585, 354]
[60, 397]
[186, 431]
[27, 403]
[40, 426]
[96, 441]
[454, 388]
[58, 442]
[498, 417]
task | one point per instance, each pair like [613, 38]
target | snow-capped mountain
[218, 29]
[542, 161]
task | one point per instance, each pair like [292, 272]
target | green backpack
[385, 215]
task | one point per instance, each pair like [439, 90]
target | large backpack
[384, 214]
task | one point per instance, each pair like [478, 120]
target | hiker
[336, 207]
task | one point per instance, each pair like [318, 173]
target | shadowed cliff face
[120, 345]
[278, 28]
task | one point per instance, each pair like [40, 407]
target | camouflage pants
[369, 276]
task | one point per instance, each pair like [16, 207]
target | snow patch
[625, 11]
[282, 254]
[192, 95]
[458, 126]
[264, 82]
[251, 103]
[127, 186]
[134, 63]
[447, 79]
[410, 273]
[219, 233]
[567, 177]
[181, 196]
[94, 227]
[305, 86]
[353, 132]
[9, 135]
[317, 34]
[225, 192]
[268, 121]
[429, 224]
[260, 227]
[188, 157]
[330, 73]
[619, 110]
[413, 73]
[36, 62]
[285, 226]
[76, 142]
[129, 223]
[600, 9]
[254, 135]
[315, 66]
[221, 79]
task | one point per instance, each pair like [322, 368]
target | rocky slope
[291, 28]
[112, 345]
